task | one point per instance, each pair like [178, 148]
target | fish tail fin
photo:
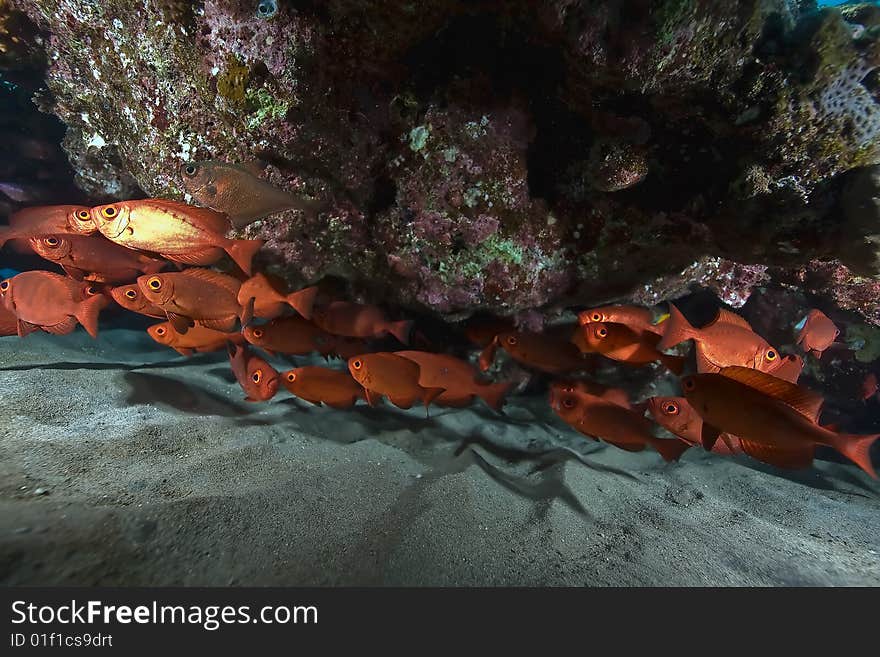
[303, 300]
[401, 330]
[494, 394]
[857, 448]
[669, 449]
[674, 364]
[677, 330]
[87, 313]
[242, 253]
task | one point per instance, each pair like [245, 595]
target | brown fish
[257, 378]
[457, 377]
[393, 376]
[131, 298]
[621, 343]
[270, 301]
[817, 333]
[602, 419]
[481, 331]
[321, 385]
[635, 317]
[198, 338]
[677, 416]
[176, 231]
[194, 294]
[94, 258]
[355, 320]
[8, 322]
[48, 220]
[775, 421]
[727, 341]
[51, 302]
[238, 192]
[535, 350]
[292, 335]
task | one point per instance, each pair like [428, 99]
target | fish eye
[160, 330]
[357, 364]
[512, 340]
[4, 286]
[267, 8]
[52, 241]
[258, 333]
[671, 408]
[155, 283]
[109, 212]
[602, 332]
[568, 402]
[83, 214]
[190, 170]
[91, 290]
[291, 376]
[771, 355]
[257, 376]
[131, 294]
[596, 317]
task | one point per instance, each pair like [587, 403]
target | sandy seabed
[122, 463]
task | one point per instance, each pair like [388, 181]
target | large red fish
[621, 343]
[202, 295]
[48, 220]
[677, 416]
[602, 419]
[775, 421]
[356, 320]
[727, 341]
[198, 338]
[269, 299]
[292, 335]
[51, 302]
[817, 333]
[635, 317]
[257, 378]
[536, 350]
[321, 385]
[457, 377]
[177, 231]
[395, 377]
[94, 258]
[131, 298]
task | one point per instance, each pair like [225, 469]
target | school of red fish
[152, 256]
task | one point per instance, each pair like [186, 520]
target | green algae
[232, 82]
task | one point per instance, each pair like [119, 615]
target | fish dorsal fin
[215, 278]
[727, 317]
[804, 401]
[254, 167]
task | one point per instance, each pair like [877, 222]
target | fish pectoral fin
[372, 398]
[26, 328]
[62, 328]
[708, 436]
[247, 311]
[804, 401]
[180, 323]
[430, 394]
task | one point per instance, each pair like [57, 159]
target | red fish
[869, 386]
[321, 385]
[202, 295]
[257, 378]
[817, 334]
[621, 343]
[51, 302]
[393, 376]
[727, 341]
[775, 421]
[602, 419]
[8, 322]
[536, 350]
[48, 220]
[198, 338]
[637, 318]
[177, 231]
[131, 298]
[290, 335]
[94, 258]
[481, 331]
[614, 395]
[457, 377]
[269, 301]
[355, 320]
[677, 416]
